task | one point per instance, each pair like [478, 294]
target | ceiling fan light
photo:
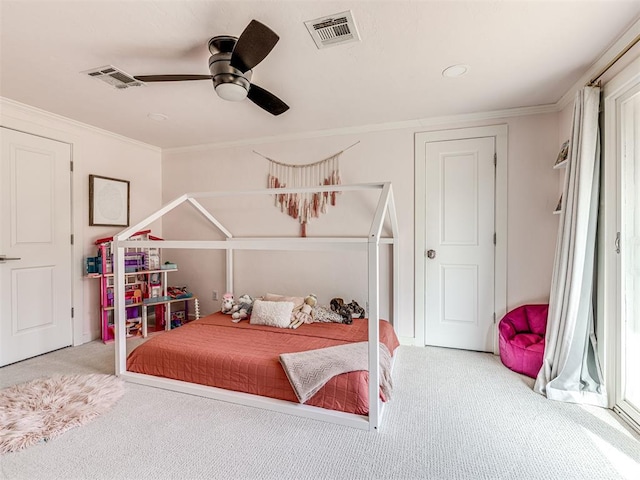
[231, 91]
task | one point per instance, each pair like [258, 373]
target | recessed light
[158, 117]
[455, 71]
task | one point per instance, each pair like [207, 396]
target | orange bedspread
[242, 357]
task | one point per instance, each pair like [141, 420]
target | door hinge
[495, 159]
[494, 317]
[72, 239]
[494, 238]
[72, 312]
[71, 165]
[617, 242]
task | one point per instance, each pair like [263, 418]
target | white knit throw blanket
[309, 371]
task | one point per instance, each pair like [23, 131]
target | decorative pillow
[273, 314]
[325, 315]
[298, 302]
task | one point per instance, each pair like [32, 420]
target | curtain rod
[612, 62]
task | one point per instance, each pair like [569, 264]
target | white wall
[533, 195]
[386, 155]
[97, 152]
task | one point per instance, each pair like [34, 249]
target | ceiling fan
[231, 63]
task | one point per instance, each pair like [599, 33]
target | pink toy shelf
[145, 286]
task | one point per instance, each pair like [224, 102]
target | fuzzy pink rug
[44, 408]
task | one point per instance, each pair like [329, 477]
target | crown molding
[609, 54]
[378, 127]
[30, 110]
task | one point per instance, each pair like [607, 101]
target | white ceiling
[520, 53]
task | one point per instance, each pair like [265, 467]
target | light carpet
[45, 408]
[454, 415]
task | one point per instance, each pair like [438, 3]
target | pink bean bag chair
[522, 338]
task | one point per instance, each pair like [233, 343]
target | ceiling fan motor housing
[223, 73]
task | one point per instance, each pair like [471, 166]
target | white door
[35, 241]
[460, 250]
[628, 391]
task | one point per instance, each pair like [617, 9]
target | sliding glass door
[619, 246]
[628, 391]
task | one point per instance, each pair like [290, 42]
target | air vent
[333, 30]
[114, 77]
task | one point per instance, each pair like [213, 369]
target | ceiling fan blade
[266, 100]
[171, 78]
[254, 43]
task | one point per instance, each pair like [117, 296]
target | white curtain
[571, 371]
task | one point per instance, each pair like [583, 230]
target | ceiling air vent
[114, 77]
[333, 30]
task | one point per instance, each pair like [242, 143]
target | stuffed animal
[227, 303]
[338, 306]
[310, 301]
[242, 309]
[355, 309]
[345, 313]
[304, 315]
[347, 310]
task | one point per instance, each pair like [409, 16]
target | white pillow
[273, 314]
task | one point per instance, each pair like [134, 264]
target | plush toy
[338, 306]
[355, 309]
[345, 313]
[304, 315]
[310, 301]
[242, 309]
[227, 303]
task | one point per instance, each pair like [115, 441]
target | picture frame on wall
[108, 201]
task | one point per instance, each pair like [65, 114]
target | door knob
[3, 259]
[431, 254]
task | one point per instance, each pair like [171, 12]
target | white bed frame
[371, 244]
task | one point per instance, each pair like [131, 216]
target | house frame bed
[385, 209]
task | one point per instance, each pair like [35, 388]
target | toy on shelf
[179, 292]
[134, 328]
[152, 259]
[134, 262]
[177, 318]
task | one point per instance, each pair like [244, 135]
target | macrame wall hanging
[306, 205]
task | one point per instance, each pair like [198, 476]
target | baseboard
[411, 341]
